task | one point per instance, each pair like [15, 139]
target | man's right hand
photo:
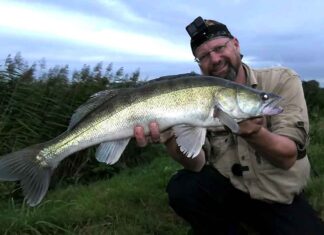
[167, 137]
[155, 136]
[140, 137]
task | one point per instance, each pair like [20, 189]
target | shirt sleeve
[293, 121]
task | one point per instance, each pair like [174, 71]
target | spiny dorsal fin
[95, 101]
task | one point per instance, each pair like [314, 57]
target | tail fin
[23, 166]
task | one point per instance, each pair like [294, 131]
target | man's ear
[236, 42]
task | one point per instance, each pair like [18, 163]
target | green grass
[315, 188]
[133, 202]
[315, 194]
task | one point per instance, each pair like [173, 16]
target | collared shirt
[257, 176]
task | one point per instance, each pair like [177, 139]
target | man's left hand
[251, 126]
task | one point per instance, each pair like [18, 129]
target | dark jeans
[209, 202]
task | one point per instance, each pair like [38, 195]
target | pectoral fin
[190, 139]
[227, 120]
[110, 152]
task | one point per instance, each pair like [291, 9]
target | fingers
[154, 132]
[140, 137]
[253, 121]
[258, 120]
[251, 126]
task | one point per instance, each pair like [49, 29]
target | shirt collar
[250, 76]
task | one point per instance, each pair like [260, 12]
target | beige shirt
[261, 179]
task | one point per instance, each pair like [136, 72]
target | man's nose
[214, 57]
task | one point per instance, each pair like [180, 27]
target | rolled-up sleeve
[293, 121]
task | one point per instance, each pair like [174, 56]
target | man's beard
[231, 75]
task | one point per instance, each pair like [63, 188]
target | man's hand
[251, 126]
[155, 136]
[279, 150]
[140, 137]
[167, 137]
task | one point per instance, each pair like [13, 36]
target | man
[253, 178]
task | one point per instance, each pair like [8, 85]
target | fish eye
[264, 96]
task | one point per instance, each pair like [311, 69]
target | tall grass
[315, 189]
[36, 110]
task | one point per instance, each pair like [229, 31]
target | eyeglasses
[218, 49]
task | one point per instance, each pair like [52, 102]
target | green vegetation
[315, 189]
[87, 197]
[36, 109]
[134, 202]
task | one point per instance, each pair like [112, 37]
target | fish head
[243, 102]
[258, 103]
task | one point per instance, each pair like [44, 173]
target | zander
[188, 104]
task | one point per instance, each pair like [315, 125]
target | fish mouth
[272, 108]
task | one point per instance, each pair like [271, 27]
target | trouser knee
[181, 191]
[197, 198]
[197, 190]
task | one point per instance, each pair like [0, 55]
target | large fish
[188, 104]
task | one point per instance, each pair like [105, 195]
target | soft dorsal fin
[95, 101]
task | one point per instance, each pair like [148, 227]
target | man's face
[219, 57]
